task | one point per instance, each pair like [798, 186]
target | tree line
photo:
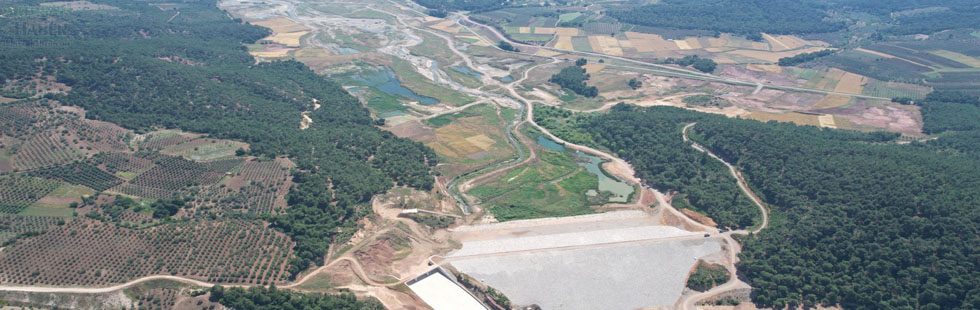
[733, 16]
[801, 58]
[261, 298]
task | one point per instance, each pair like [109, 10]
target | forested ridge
[134, 68]
[462, 5]
[801, 17]
[856, 222]
[735, 16]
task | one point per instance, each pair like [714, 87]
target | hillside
[111, 80]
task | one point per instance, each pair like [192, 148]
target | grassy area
[553, 186]
[318, 283]
[383, 103]
[216, 149]
[372, 14]
[47, 209]
[424, 87]
[567, 17]
[529, 37]
[72, 191]
[483, 110]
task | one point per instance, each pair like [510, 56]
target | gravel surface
[442, 294]
[569, 239]
[615, 277]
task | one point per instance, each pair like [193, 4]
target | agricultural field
[285, 31]
[559, 183]
[91, 252]
[256, 187]
[109, 242]
[465, 139]
[940, 64]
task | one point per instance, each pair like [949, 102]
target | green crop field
[554, 186]
[567, 17]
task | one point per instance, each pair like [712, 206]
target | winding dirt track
[689, 302]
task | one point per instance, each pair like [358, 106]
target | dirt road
[689, 302]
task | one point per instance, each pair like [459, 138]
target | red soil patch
[700, 218]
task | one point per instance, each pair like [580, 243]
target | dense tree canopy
[462, 5]
[950, 111]
[801, 58]
[856, 222]
[573, 78]
[735, 16]
[260, 298]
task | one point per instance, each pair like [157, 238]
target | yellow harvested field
[481, 141]
[957, 57]
[830, 79]
[693, 43]
[717, 42]
[593, 68]
[716, 49]
[544, 30]
[794, 42]
[270, 54]
[312, 52]
[477, 39]
[832, 101]
[773, 56]
[765, 68]
[457, 141]
[565, 31]
[547, 53]
[524, 29]
[281, 25]
[288, 39]
[851, 83]
[681, 44]
[723, 60]
[564, 43]
[645, 42]
[879, 54]
[791, 117]
[827, 120]
[605, 45]
[775, 43]
[446, 26]
[431, 19]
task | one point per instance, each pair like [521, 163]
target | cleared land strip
[452, 258]
[570, 240]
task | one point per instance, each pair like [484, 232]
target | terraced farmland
[89, 252]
